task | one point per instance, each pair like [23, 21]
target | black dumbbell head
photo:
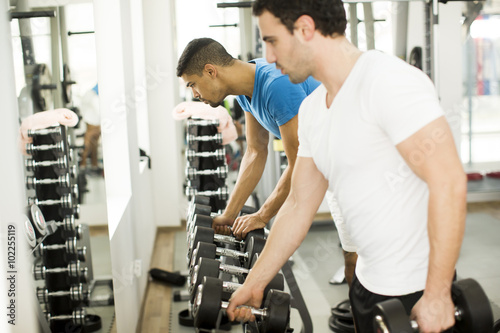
[207, 303]
[254, 246]
[204, 267]
[277, 304]
[203, 250]
[392, 314]
[202, 234]
[474, 307]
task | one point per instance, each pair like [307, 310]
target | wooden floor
[156, 306]
[158, 297]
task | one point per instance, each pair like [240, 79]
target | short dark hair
[328, 15]
[198, 53]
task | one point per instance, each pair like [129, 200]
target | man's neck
[334, 64]
[239, 78]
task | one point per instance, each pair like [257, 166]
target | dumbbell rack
[199, 134]
[62, 256]
[198, 206]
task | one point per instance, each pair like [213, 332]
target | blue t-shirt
[275, 99]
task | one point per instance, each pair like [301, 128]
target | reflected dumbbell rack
[62, 260]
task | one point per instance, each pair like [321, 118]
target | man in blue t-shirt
[271, 103]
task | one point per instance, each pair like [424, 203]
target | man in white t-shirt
[375, 136]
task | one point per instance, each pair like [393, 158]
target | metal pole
[56, 60]
[353, 23]
[369, 25]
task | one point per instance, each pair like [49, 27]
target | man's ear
[305, 27]
[211, 70]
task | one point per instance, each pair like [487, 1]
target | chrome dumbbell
[217, 138]
[203, 122]
[77, 317]
[77, 293]
[74, 269]
[222, 192]
[219, 154]
[32, 165]
[63, 181]
[45, 131]
[66, 201]
[58, 147]
[69, 246]
[221, 172]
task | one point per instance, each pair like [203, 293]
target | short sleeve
[304, 147]
[284, 99]
[404, 101]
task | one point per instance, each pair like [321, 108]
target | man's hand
[434, 314]
[244, 295]
[221, 224]
[246, 223]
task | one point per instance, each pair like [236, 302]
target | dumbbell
[63, 181]
[208, 235]
[77, 293]
[77, 317]
[32, 165]
[203, 122]
[275, 315]
[207, 250]
[472, 311]
[219, 154]
[221, 192]
[221, 172]
[65, 201]
[69, 245]
[217, 138]
[212, 268]
[58, 147]
[45, 131]
[197, 209]
[74, 269]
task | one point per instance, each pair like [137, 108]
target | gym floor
[319, 257]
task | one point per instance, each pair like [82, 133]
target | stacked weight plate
[61, 257]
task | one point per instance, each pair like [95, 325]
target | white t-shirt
[353, 144]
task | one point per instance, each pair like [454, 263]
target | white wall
[449, 60]
[12, 196]
[123, 82]
[165, 133]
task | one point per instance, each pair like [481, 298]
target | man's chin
[214, 105]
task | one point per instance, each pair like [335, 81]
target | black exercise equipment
[472, 311]
[221, 192]
[255, 245]
[69, 246]
[219, 154]
[193, 173]
[65, 201]
[275, 316]
[212, 268]
[217, 138]
[74, 269]
[32, 165]
[77, 317]
[56, 147]
[175, 279]
[77, 293]
[62, 181]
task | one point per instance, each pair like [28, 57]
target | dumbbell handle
[202, 122]
[76, 293]
[207, 153]
[31, 163]
[44, 131]
[78, 316]
[256, 312]
[216, 137]
[65, 201]
[31, 147]
[233, 270]
[220, 251]
[227, 239]
[63, 180]
[208, 172]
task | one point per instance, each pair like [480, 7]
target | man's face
[204, 88]
[283, 48]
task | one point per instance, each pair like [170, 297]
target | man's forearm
[447, 210]
[274, 202]
[251, 169]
